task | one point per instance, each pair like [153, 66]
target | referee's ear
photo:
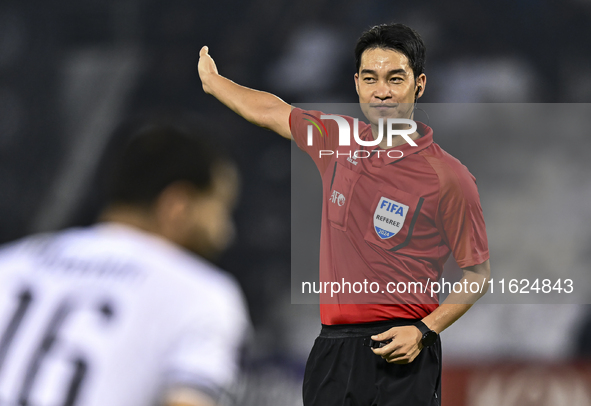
[421, 83]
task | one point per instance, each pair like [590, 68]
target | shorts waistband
[362, 329]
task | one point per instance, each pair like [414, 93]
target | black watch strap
[428, 336]
[422, 327]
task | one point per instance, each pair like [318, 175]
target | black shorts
[342, 371]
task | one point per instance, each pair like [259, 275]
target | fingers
[398, 353]
[401, 358]
[404, 347]
[387, 349]
[206, 68]
[386, 335]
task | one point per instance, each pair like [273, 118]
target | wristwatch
[429, 336]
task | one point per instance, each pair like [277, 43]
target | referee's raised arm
[261, 108]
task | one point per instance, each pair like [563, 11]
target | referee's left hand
[405, 345]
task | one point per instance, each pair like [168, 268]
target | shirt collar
[423, 142]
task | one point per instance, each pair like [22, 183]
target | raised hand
[206, 68]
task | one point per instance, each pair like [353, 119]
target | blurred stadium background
[70, 71]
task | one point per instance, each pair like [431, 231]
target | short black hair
[397, 37]
[155, 156]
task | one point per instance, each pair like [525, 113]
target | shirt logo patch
[353, 161]
[389, 217]
[337, 198]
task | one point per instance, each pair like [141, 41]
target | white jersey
[112, 316]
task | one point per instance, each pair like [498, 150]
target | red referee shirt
[389, 219]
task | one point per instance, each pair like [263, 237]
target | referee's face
[386, 85]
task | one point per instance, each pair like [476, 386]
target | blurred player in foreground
[125, 312]
[385, 218]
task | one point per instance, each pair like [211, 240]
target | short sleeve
[324, 135]
[460, 218]
[206, 352]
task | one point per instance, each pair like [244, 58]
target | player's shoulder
[166, 260]
[200, 272]
[23, 247]
[76, 242]
[202, 282]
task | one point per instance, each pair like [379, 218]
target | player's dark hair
[156, 156]
[398, 37]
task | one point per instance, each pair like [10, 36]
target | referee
[386, 216]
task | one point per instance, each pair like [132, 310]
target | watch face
[429, 338]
